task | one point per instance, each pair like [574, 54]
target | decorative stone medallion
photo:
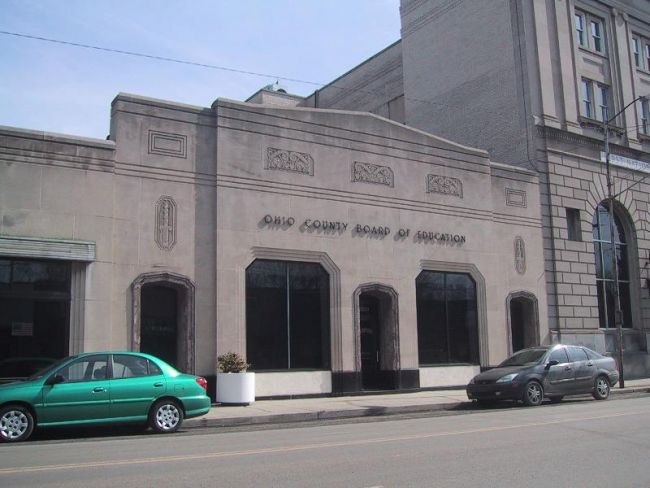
[293, 161]
[445, 185]
[520, 255]
[372, 173]
[166, 223]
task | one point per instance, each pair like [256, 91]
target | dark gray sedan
[530, 375]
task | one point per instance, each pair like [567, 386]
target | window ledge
[589, 123]
[592, 51]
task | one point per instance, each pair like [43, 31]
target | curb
[284, 418]
[375, 411]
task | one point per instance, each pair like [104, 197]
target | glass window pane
[559, 355]
[576, 354]
[266, 315]
[626, 306]
[462, 319]
[596, 35]
[309, 316]
[127, 366]
[447, 318]
[90, 368]
[287, 315]
[580, 27]
[431, 317]
[602, 303]
[598, 260]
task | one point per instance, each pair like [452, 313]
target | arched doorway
[163, 318]
[523, 321]
[377, 348]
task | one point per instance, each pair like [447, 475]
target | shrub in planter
[234, 384]
[231, 362]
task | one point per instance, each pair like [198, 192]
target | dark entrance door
[370, 342]
[522, 324]
[159, 323]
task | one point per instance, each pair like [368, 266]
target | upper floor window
[595, 40]
[596, 36]
[580, 30]
[636, 52]
[645, 116]
[595, 100]
[647, 56]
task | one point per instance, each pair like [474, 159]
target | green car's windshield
[39, 374]
[522, 358]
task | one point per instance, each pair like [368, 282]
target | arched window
[605, 277]
[447, 318]
[287, 315]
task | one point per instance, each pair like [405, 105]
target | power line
[228, 69]
[159, 58]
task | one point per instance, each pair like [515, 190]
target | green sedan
[101, 388]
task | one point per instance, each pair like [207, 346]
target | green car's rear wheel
[166, 416]
[16, 423]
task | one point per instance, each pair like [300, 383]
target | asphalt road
[573, 444]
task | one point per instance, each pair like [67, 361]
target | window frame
[592, 93]
[286, 327]
[574, 227]
[636, 51]
[590, 34]
[644, 115]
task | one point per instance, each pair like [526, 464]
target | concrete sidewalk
[303, 409]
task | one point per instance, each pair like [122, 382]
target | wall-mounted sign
[22, 329]
[374, 230]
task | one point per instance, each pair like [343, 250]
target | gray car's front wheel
[166, 416]
[533, 394]
[16, 423]
[601, 388]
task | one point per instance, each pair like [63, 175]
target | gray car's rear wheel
[166, 416]
[601, 388]
[16, 423]
[533, 394]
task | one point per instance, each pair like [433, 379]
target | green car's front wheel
[16, 423]
[166, 416]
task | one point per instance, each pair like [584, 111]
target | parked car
[530, 375]
[16, 369]
[102, 388]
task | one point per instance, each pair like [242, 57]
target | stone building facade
[336, 250]
[529, 81]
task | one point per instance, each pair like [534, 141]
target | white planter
[237, 388]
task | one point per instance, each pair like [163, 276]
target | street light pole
[618, 314]
[612, 235]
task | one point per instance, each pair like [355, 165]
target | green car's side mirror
[55, 380]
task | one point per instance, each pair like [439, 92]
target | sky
[61, 88]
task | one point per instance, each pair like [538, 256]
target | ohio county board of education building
[427, 213]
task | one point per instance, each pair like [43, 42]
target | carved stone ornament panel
[168, 144]
[293, 161]
[166, 223]
[372, 173]
[520, 255]
[445, 185]
[515, 198]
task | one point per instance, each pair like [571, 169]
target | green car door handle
[158, 384]
[99, 389]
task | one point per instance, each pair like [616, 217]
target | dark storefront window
[34, 311]
[287, 315]
[447, 318]
[605, 278]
